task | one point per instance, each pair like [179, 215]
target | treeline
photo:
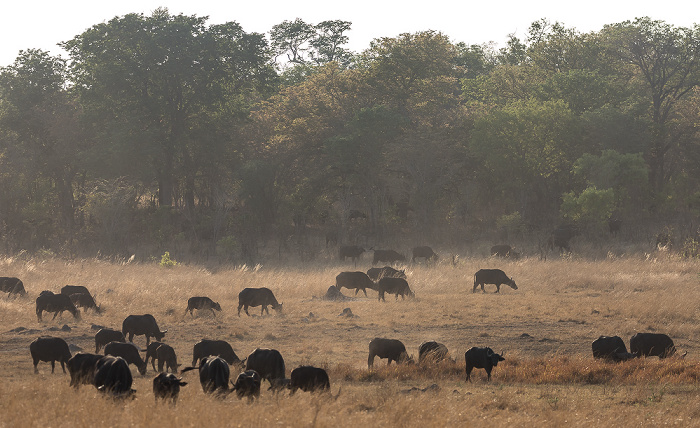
[164, 133]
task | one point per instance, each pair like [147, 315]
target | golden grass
[545, 328]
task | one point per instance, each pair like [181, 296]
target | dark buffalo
[56, 303]
[74, 289]
[257, 297]
[247, 384]
[614, 226]
[166, 386]
[391, 349]
[167, 358]
[49, 349]
[152, 353]
[268, 363]
[201, 303]
[84, 300]
[652, 344]
[393, 286]
[309, 379]
[481, 358]
[357, 280]
[424, 252]
[106, 335]
[136, 325]
[112, 376]
[352, 251]
[432, 352]
[561, 236]
[504, 251]
[11, 285]
[129, 352]
[610, 348]
[82, 368]
[375, 274]
[492, 276]
[387, 256]
[219, 348]
[214, 374]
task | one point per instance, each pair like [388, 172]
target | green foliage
[166, 261]
[592, 206]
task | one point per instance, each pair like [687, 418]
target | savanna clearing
[545, 328]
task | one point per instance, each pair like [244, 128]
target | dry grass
[545, 329]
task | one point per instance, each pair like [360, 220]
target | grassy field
[545, 329]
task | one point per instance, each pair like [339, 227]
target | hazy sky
[43, 24]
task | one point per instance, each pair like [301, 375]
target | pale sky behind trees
[43, 24]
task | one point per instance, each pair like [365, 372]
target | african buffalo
[614, 226]
[166, 386]
[357, 280]
[82, 368]
[561, 236]
[164, 353]
[424, 252]
[432, 352]
[492, 276]
[309, 379]
[481, 358]
[391, 349]
[49, 349]
[112, 376]
[152, 353]
[247, 384]
[352, 251]
[387, 256]
[652, 344]
[74, 289]
[201, 303]
[84, 300]
[11, 285]
[257, 297]
[213, 374]
[504, 251]
[268, 363]
[56, 303]
[219, 348]
[393, 286]
[610, 348]
[136, 325]
[375, 274]
[129, 352]
[106, 335]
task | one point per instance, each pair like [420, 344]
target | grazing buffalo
[247, 384]
[309, 379]
[393, 286]
[214, 374]
[481, 358]
[505, 252]
[112, 376]
[201, 303]
[74, 289]
[492, 276]
[129, 352]
[82, 368]
[167, 358]
[106, 335]
[257, 297]
[652, 344]
[268, 363]
[84, 300]
[614, 226]
[357, 280]
[11, 285]
[56, 303]
[166, 386]
[137, 325]
[432, 351]
[424, 252]
[49, 349]
[219, 348]
[610, 348]
[375, 274]
[352, 251]
[391, 349]
[387, 256]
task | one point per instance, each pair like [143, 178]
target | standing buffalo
[481, 358]
[388, 256]
[129, 352]
[74, 289]
[112, 376]
[505, 252]
[391, 349]
[136, 325]
[201, 303]
[309, 379]
[11, 285]
[375, 274]
[352, 251]
[82, 369]
[252, 297]
[247, 384]
[268, 363]
[219, 348]
[424, 252]
[393, 286]
[357, 280]
[652, 344]
[432, 352]
[152, 353]
[614, 226]
[492, 276]
[610, 348]
[166, 358]
[167, 387]
[56, 303]
[214, 374]
[561, 236]
[49, 349]
[84, 300]
[106, 335]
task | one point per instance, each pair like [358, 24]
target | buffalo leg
[63, 367]
[239, 310]
[469, 373]
[36, 363]
[245, 308]
[53, 366]
[364, 291]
